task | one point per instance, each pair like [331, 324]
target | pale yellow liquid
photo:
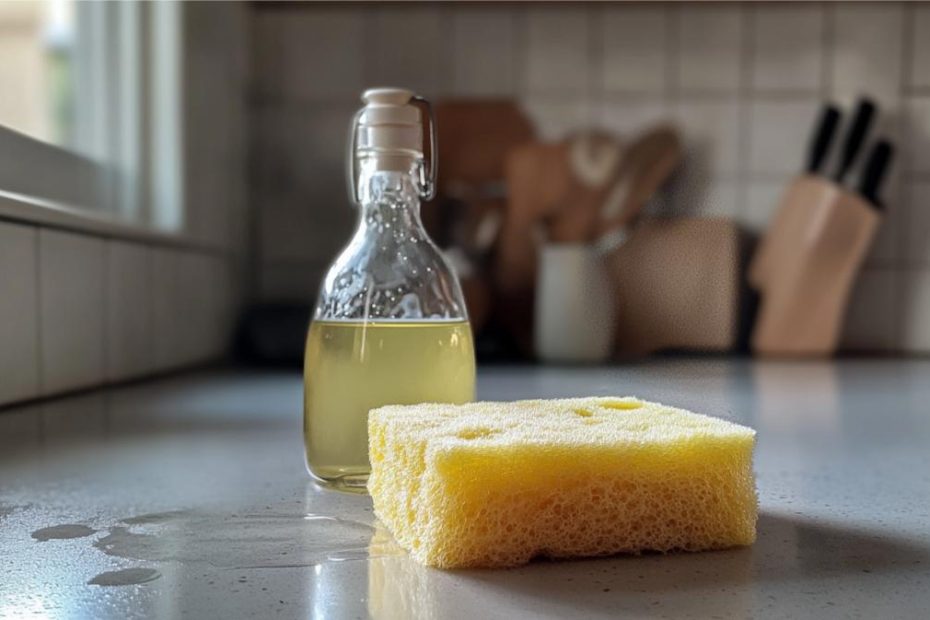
[351, 367]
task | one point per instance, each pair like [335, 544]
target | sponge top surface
[608, 421]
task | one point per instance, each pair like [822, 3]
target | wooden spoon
[648, 163]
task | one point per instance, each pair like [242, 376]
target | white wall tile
[19, 310]
[409, 48]
[702, 54]
[917, 241]
[915, 329]
[762, 200]
[635, 49]
[483, 51]
[129, 303]
[710, 132]
[787, 43]
[920, 36]
[316, 55]
[556, 56]
[556, 118]
[630, 118]
[867, 50]
[709, 48]
[779, 135]
[72, 275]
[871, 318]
[303, 205]
[693, 191]
[917, 134]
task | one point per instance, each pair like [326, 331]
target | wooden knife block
[678, 286]
[806, 265]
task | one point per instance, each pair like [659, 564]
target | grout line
[594, 22]
[370, 44]
[669, 199]
[515, 49]
[448, 15]
[40, 366]
[672, 52]
[253, 215]
[446, 60]
[828, 53]
[305, 105]
[106, 305]
[521, 51]
[744, 146]
[150, 309]
[904, 193]
[908, 14]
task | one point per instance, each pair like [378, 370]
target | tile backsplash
[80, 310]
[744, 82]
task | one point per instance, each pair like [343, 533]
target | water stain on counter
[65, 531]
[125, 577]
[238, 540]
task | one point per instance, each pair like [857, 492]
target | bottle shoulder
[391, 278]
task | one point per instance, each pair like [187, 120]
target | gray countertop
[187, 497]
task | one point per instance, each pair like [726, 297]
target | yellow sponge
[497, 484]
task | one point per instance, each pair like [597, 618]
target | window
[36, 76]
[90, 96]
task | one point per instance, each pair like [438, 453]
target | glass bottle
[390, 325]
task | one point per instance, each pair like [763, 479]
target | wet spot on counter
[63, 532]
[156, 517]
[259, 540]
[125, 577]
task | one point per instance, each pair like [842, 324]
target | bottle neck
[389, 200]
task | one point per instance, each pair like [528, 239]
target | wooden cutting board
[677, 286]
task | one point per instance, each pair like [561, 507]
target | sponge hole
[621, 404]
[584, 413]
[476, 433]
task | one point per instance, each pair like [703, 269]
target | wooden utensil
[647, 165]
[474, 138]
[538, 178]
[595, 161]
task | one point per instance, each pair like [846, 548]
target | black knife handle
[874, 173]
[820, 145]
[855, 137]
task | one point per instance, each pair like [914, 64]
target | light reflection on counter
[400, 588]
[796, 396]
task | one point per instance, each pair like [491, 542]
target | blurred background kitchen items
[807, 262]
[172, 177]
[575, 302]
